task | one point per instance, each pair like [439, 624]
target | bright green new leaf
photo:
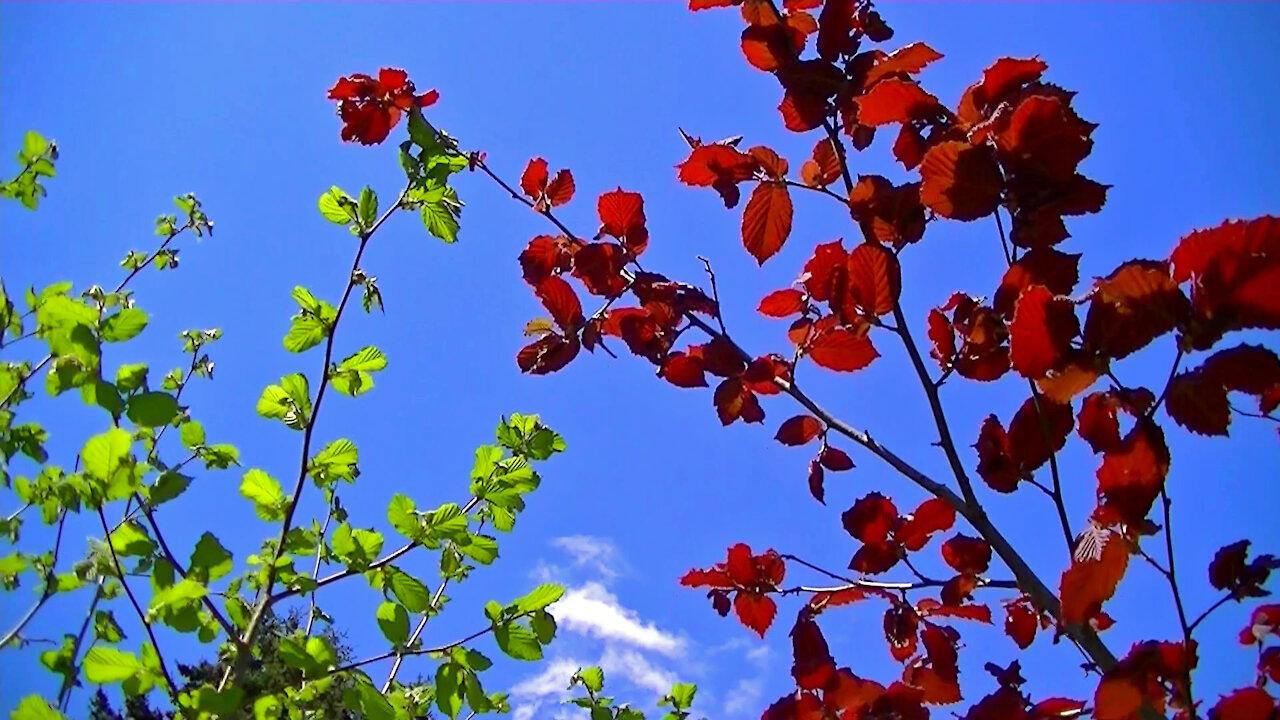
[403, 516]
[265, 492]
[543, 626]
[209, 560]
[592, 678]
[368, 359]
[305, 332]
[441, 217]
[152, 409]
[106, 454]
[34, 707]
[107, 665]
[124, 325]
[352, 382]
[105, 627]
[322, 652]
[130, 539]
[192, 434]
[394, 621]
[337, 206]
[305, 299]
[518, 642]
[409, 590]
[131, 377]
[682, 695]
[481, 548]
[447, 521]
[267, 707]
[539, 598]
[449, 689]
[357, 548]
[367, 207]
[486, 457]
[184, 591]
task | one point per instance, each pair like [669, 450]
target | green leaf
[517, 642]
[131, 539]
[104, 455]
[592, 678]
[221, 456]
[394, 622]
[168, 486]
[482, 548]
[124, 325]
[322, 652]
[682, 695]
[539, 598]
[33, 146]
[131, 377]
[336, 460]
[104, 395]
[192, 434]
[352, 382]
[267, 707]
[34, 707]
[337, 206]
[105, 627]
[107, 665]
[265, 492]
[305, 299]
[441, 218]
[182, 592]
[448, 687]
[367, 207]
[543, 626]
[403, 516]
[210, 560]
[152, 409]
[357, 548]
[369, 359]
[447, 521]
[486, 457]
[306, 332]
[409, 590]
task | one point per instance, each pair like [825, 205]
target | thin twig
[715, 294]
[142, 615]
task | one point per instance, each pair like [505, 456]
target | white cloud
[596, 553]
[744, 698]
[593, 610]
[638, 671]
[530, 694]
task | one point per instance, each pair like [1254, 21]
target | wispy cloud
[744, 698]
[637, 670]
[593, 610]
[593, 553]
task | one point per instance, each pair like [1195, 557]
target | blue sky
[151, 100]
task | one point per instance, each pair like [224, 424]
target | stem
[1173, 584]
[819, 190]
[1221, 601]
[315, 570]
[266, 599]
[69, 683]
[146, 624]
[840, 153]
[48, 592]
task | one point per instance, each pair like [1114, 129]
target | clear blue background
[147, 101]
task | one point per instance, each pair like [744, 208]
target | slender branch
[206, 600]
[1173, 372]
[14, 515]
[715, 294]
[432, 607]
[265, 602]
[69, 681]
[422, 651]
[1173, 582]
[1056, 494]
[850, 583]
[142, 615]
[50, 588]
[840, 153]
[1199, 619]
[1026, 578]
[819, 190]
[315, 570]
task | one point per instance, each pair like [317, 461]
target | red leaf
[1021, 623]
[960, 181]
[534, 179]
[599, 267]
[768, 47]
[1007, 74]
[967, 554]
[781, 303]
[684, 370]
[770, 162]
[562, 302]
[1198, 403]
[1234, 269]
[824, 167]
[706, 578]
[1247, 703]
[1056, 708]
[996, 464]
[1134, 305]
[942, 337]
[911, 59]
[1133, 473]
[1029, 427]
[1091, 581]
[816, 477]
[843, 349]
[766, 221]
[1058, 271]
[1269, 664]
[1098, 424]
[548, 354]
[895, 101]
[741, 565]
[544, 256]
[909, 147]
[799, 430]
[733, 401]
[875, 559]
[875, 279]
[718, 166]
[825, 274]
[870, 519]
[560, 191]
[1041, 332]
[754, 610]
[976, 613]
[813, 667]
[802, 112]
[622, 216]
[933, 515]
[835, 460]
